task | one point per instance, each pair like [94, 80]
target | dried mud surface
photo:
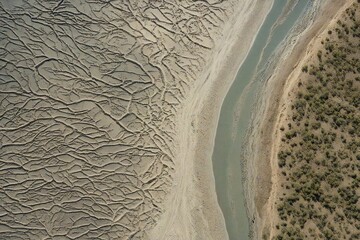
[89, 94]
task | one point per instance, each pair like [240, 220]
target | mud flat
[108, 115]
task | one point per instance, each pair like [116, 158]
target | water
[235, 117]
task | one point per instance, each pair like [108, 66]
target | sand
[265, 139]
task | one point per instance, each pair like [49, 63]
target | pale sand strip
[266, 138]
[192, 210]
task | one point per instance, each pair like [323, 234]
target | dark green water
[235, 117]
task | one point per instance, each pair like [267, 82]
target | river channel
[236, 111]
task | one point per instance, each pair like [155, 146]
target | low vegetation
[319, 158]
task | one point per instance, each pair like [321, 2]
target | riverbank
[315, 169]
[263, 172]
[221, 75]
[192, 210]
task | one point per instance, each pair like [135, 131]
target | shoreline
[265, 133]
[198, 214]
[209, 115]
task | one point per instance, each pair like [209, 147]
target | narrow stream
[236, 112]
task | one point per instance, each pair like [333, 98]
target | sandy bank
[264, 139]
[192, 211]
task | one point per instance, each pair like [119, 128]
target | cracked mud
[89, 94]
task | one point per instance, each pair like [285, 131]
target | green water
[235, 117]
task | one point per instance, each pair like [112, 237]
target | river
[236, 111]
